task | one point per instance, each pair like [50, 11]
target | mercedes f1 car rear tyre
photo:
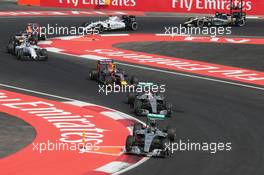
[129, 143]
[137, 107]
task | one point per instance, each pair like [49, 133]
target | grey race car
[219, 19]
[236, 17]
[149, 140]
[148, 102]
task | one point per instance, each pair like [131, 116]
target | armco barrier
[253, 7]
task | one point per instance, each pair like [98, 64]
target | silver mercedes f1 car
[148, 102]
[149, 140]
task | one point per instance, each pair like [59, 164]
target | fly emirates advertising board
[252, 7]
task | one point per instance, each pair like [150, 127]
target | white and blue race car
[28, 51]
[113, 23]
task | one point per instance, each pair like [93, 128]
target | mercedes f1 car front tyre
[129, 143]
[171, 133]
[137, 107]
[165, 150]
[131, 98]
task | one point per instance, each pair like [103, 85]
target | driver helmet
[29, 29]
[114, 18]
[111, 67]
[153, 124]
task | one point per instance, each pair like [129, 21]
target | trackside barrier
[253, 7]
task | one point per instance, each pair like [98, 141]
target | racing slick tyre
[44, 53]
[134, 80]
[20, 55]
[165, 148]
[93, 75]
[108, 80]
[168, 107]
[200, 23]
[137, 107]
[129, 143]
[171, 133]
[100, 28]
[131, 98]
[134, 26]
[137, 127]
[241, 23]
[7, 50]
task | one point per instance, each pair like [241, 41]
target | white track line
[36, 92]
[193, 76]
[167, 72]
[113, 167]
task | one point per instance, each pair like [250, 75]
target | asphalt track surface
[225, 54]
[15, 134]
[204, 111]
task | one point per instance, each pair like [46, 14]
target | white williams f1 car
[27, 51]
[113, 23]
